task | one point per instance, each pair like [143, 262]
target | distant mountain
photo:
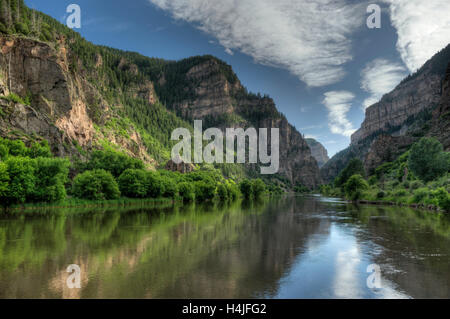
[398, 120]
[318, 151]
[57, 86]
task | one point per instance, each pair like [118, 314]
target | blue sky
[316, 58]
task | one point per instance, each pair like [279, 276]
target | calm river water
[292, 247]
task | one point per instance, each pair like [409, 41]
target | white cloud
[380, 77]
[229, 51]
[310, 38]
[423, 28]
[338, 104]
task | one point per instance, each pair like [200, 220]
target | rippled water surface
[292, 247]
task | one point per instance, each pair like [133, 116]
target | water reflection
[290, 247]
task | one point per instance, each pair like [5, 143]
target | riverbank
[415, 206]
[80, 203]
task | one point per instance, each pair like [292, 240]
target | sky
[317, 59]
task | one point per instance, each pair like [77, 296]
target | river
[290, 247]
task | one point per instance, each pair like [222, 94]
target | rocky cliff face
[61, 102]
[386, 148]
[406, 101]
[70, 110]
[400, 118]
[225, 103]
[441, 116]
[318, 151]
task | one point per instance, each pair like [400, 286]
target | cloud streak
[311, 38]
[380, 77]
[338, 104]
[423, 28]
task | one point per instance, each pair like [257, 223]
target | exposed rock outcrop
[420, 92]
[418, 106]
[68, 108]
[318, 151]
[180, 167]
[224, 100]
[64, 104]
[386, 148]
[441, 116]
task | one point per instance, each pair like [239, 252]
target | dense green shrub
[301, 189]
[258, 187]
[186, 191]
[443, 198]
[15, 147]
[113, 161]
[50, 179]
[4, 181]
[4, 151]
[204, 190]
[400, 193]
[222, 192]
[246, 188]
[427, 159]
[155, 185]
[41, 149]
[381, 194]
[232, 190]
[355, 186]
[354, 167]
[372, 180]
[96, 185]
[420, 194]
[416, 185]
[170, 187]
[133, 183]
[21, 179]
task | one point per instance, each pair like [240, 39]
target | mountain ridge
[393, 124]
[94, 97]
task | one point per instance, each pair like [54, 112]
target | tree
[222, 192]
[186, 191]
[427, 160]
[16, 148]
[354, 167]
[113, 161]
[21, 179]
[443, 198]
[170, 187]
[246, 188]
[204, 191]
[354, 187]
[4, 182]
[232, 189]
[51, 174]
[41, 149]
[259, 188]
[96, 185]
[133, 183]
[4, 151]
[155, 185]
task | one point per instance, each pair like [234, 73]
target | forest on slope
[96, 113]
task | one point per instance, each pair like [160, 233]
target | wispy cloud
[338, 104]
[311, 127]
[311, 39]
[380, 77]
[423, 28]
